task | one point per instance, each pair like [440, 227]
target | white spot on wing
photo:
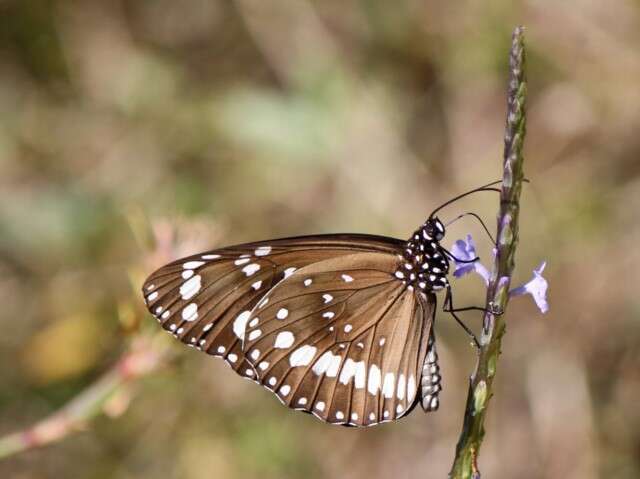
[250, 269]
[320, 406]
[262, 251]
[152, 296]
[402, 387]
[374, 379]
[348, 328]
[327, 298]
[347, 278]
[232, 357]
[190, 312]
[302, 401]
[328, 315]
[187, 273]
[289, 271]
[286, 389]
[255, 334]
[263, 365]
[308, 281]
[256, 285]
[241, 261]
[255, 354]
[334, 366]
[282, 313]
[323, 362]
[360, 375]
[411, 388]
[240, 324]
[302, 356]
[192, 264]
[210, 256]
[388, 386]
[191, 287]
[348, 371]
[284, 340]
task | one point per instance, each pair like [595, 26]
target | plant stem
[144, 356]
[481, 382]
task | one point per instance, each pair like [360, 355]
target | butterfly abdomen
[431, 381]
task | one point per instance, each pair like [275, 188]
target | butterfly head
[433, 229]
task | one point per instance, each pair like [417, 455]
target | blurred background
[133, 132]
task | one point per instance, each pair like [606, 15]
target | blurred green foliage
[233, 121]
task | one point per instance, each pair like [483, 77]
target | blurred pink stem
[143, 357]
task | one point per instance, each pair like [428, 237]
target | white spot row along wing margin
[342, 339]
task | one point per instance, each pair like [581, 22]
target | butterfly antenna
[486, 187]
[475, 190]
[470, 213]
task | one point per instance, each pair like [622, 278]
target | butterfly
[339, 326]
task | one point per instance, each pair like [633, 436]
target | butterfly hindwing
[205, 299]
[343, 339]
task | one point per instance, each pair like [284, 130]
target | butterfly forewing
[343, 339]
[205, 300]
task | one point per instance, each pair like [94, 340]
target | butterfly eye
[438, 227]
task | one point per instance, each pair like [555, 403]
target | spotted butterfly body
[339, 326]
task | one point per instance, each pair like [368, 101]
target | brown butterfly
[340, 326]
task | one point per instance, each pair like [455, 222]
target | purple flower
[464, 252]
[536, 287]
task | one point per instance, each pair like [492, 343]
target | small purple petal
[466, 251]
[536, 287]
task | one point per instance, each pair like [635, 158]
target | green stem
[481, 382]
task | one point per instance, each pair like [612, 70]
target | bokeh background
[132, 132]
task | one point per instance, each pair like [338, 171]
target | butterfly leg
[448, 308]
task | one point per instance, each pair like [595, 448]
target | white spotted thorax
[425, 265]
